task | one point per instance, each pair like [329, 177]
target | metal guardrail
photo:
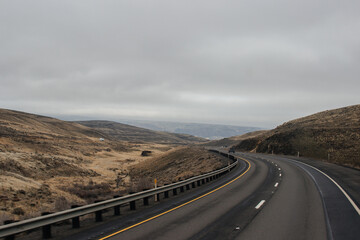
[29, 224]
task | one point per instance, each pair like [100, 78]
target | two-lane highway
[294, 212]
[265, 197]
[203, 217]
[342, 215]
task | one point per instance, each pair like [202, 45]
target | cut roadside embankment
[176, 165]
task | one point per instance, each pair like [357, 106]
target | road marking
[260, 204]
[182, 205]
[280, 175]
[279, 169]
[276, 184]
[341, 189]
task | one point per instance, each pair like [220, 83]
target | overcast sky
[242, 62]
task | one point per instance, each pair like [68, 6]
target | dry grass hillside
[130, 133]
[176, 165]
[48, 164]
[226, 142]
[332, 135]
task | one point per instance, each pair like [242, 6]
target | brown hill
[227, 142]
[38, 146]
[130, 133]
[176, 165]
[47, 164]
[332, 135]
[45, 160]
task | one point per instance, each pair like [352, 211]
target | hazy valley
[208, 131]
[48, 164]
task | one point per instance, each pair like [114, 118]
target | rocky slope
[332, 135]
[130, 133]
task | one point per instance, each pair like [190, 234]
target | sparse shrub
[146, 153]
[21, 192]
[129, 160]
[91, 191]
[61, 203]
[140, 185]
[5, 216]
[31, 214]
[18, 211]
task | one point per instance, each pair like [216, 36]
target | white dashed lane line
[260, 204]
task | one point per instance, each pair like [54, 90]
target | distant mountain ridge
[130, 133]
[208, 131]
[228, 142]
[332, 135]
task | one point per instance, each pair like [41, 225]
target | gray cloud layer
[235, 62]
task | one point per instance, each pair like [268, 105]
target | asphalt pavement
[265, 197]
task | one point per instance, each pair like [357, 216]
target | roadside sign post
[155, 184]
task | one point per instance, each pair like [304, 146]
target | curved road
[266, 198]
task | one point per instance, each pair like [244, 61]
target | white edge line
[276, 184]
[341, 189]
[260, 204]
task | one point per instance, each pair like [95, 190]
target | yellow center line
[184, 204]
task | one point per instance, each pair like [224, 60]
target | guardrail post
[207, 179]
[199, 182]
[117, 208]
[193, 185]
[203, 181]
[11, 237]
[158, 197]
[182, 189]
[75, 220]
[98, 214]
[46, 230]
[146, 201]
[187, 186]
[166, 194]
[132, 205]
[175, 191]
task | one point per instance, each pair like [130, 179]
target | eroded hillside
[48, 165]
[176, 165]
[332, 135]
